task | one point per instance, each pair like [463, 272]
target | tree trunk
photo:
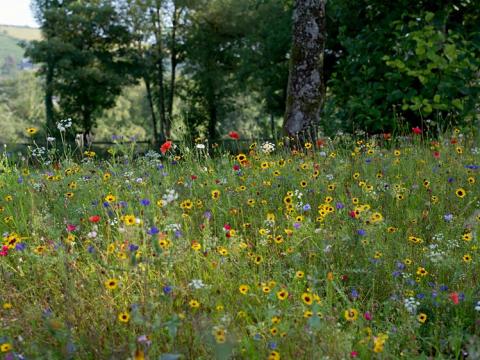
[152, 110]
[306, 80]
[173, 63]
[161, 90]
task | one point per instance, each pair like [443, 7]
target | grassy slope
[9, 38]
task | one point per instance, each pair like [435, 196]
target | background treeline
[186, 68]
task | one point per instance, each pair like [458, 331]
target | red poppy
[94, 218]
[454, 297]
[165, 147]
[417, 130]
[236, 167]
[234, 135]
[436, 154]
[193, 177]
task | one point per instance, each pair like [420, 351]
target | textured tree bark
[305, 92]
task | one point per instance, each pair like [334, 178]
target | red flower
[320, 143]
[352, 214]
[236, 167]
[453, 141]
[417, 130]
[165, 147]
[193, 177]
[234, 135]
[454, 297]
[387, 136]
[94, 218]
[436, 155]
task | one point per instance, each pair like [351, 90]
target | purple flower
[297, 225]
[167, 289]
[207, 214]
[448, 217]
[354, 293]
[133, 247]
[306, 207]
[145, 202]
[153, 230]
[361, 232]
[340, 205]
[91, 249]
[178, 234]
[20, 246]
[20, 180]
[443, 288]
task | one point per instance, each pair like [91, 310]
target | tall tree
[305, 94]
[93, 58]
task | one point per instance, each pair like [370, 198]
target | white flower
[50, 139]
[196, 284]
[200, 146]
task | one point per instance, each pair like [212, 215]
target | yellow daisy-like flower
[351, 314]
[243, 289]
[282, 295]
[215, 194]
[31, 131]
[124, 317]
[422, 318]
[460, 193]
[110, 198]
[111, 284]
[6, 347]
[307, 298]
[194, 304]
[129, 220]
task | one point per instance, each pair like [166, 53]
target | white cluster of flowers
[411, 305]
[477, 307]
[169, 196]
[39, 152]
[63, 125]
[267, 147]
[197, 284]
[435, 254]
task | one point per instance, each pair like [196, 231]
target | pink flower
[417, 130]
[353, 354]
[71, 228]
[367, 316]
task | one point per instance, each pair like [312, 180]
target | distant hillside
[21, 32]
[10, 52]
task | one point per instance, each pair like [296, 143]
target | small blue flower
[340, 205]
[167, 289]
[361, 232]
[153, 230]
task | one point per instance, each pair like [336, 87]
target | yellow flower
[351, 314]
[7, 306]
[421, 271]
[282, 294]
[307, 298]
[244, 289]
[124, 317]
[422, 318]
[110, 198]
[31, 131]
[111, 284]
[129, 220]
[215, 194]
[6, 347]
[194, 304]
[460, 193]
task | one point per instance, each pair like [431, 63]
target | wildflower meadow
[346, 247]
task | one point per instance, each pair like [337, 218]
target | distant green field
[21, 32]
[10, 36]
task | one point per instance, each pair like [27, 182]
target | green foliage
[20, 105]
[89, 49]
[435, 71]
[416, 62]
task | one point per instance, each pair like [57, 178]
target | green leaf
[429, 16]
[457, 103]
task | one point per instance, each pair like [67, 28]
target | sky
[16, 12]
